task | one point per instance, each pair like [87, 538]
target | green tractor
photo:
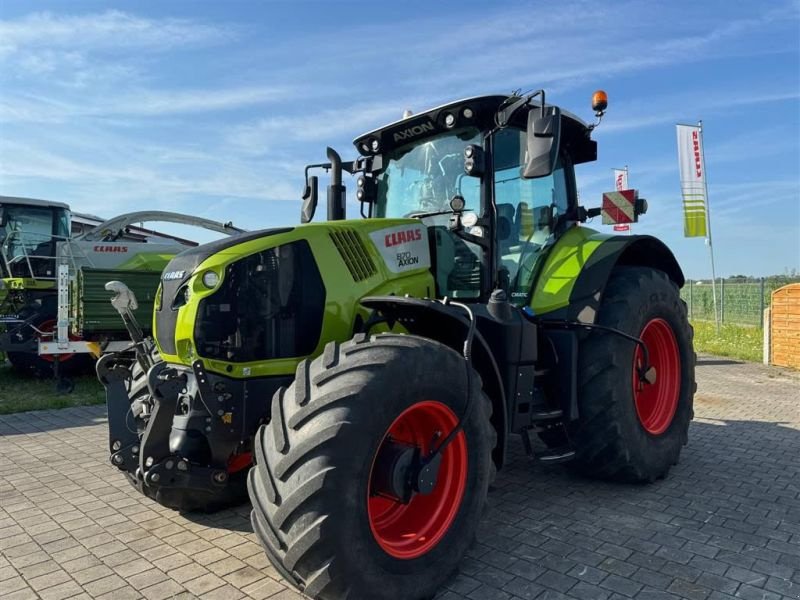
[375, 369]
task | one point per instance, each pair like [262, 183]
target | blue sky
[213, 108]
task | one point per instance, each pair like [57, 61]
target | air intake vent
[355, 256]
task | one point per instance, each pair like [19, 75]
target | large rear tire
[182, 500]
[313, 488]
[628, 429]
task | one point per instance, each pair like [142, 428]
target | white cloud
[141, 102]
[164, 102]
[111, 30]
[329, 124]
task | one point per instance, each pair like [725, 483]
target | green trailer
[92, 313]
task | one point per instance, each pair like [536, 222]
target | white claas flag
[620, 179]
[693, 180]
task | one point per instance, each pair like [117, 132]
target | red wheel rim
[50, 326]
[407, 531]
[656, 403]
[237, 462]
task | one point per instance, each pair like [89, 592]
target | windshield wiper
[433, 213]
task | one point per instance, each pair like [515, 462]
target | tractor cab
[29, 231]
[492, 179]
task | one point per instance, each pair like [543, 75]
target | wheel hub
[393, 471]
[401, 471]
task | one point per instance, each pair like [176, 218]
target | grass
[20, 394]
[734, 341]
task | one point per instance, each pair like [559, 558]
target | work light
[210, 279]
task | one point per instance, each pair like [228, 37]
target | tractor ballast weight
[374, 369]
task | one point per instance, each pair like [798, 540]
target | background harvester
[53, 305]
[375, 368]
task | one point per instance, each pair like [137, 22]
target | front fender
[448, 325]
[571, 282]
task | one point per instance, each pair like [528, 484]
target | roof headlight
[449, 120]
[210, 279]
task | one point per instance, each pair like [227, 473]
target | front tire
[628, 429]
[315, 508]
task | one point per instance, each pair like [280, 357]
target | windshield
[424, 177]
[25, 228]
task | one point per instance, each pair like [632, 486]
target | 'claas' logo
[110, 248]
[401, 237]
[698, 164]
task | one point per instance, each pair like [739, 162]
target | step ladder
[547, 419]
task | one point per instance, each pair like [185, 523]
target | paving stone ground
[725, 523]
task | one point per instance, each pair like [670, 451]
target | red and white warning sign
[619, 207]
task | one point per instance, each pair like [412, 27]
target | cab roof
[478, 111]
[32, 202]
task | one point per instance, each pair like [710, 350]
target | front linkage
[181, 436]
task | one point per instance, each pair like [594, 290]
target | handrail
[25, 255]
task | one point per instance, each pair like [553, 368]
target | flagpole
[708, 226]
[630, 225]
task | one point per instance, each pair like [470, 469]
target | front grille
[270, 305]
[354, 254]
[185, 263]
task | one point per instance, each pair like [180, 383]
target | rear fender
[571, 286]
[576, 271]
[448, 325]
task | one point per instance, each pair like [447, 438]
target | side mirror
[544, 137]
[310, 198]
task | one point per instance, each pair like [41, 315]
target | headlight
[210, 279]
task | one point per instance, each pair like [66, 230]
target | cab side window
[527, 210]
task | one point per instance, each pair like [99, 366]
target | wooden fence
[784, 334]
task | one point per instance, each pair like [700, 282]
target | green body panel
[342, 293]
[17, 292]
[91, 310]
[27, 283]
[146, 262]
[568, 256]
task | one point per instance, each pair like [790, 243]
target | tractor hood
[257, 303]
